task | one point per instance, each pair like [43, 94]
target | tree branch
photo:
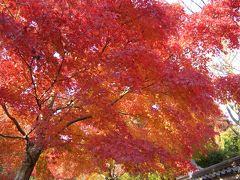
[6, 7]
[114, 102]
[197, 4]
[120, 97]
[187, 6]
[231, 115]
[127, 114]
[11, 137]
[30, 131]
[69, 104]
[234, 130]
[203, 2]
[13, 120]
[54, 80]
[105, 47]
[34, 87]
[29, 66]
[78, 119]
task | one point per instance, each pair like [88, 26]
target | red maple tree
[84, 82]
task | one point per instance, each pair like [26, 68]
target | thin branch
[58, 71]
[127, 114]
[203, 2]
[120, 97]
[30, 131]
[90, 116]
[69, 104]
[105, 47]
[187, 6]
[11, 137]
[5, 6]
[231, 115]
[13, 120]
[34, 87]
[54, 80]
[114, 102]
[33, 128]
[147, 86]
[128, 91]
[196, 4]
[31, 77]
[78, 119]
[234, 130]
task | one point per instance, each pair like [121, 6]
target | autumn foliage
[85, 82]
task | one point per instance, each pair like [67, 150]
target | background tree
[226, 147]
[86, 82]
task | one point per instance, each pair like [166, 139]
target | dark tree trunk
[32, 154]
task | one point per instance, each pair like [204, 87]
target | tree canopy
[84, 82]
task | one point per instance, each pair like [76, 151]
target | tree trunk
[28, 164]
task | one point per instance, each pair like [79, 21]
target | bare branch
[11, 137]
[234, 130]
[187, 6]
[203, 2]
[196, 4]
[13, 120]
[232, 117]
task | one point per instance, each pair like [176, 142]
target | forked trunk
[32, 155]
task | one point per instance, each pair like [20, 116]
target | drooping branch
[14, 120]
[11, 137]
